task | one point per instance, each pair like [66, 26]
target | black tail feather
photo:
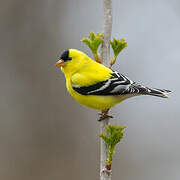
[152, 91]
[158, 92]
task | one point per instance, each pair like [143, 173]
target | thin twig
[105, 50]
[105, 174]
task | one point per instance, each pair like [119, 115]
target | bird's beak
[60, 63]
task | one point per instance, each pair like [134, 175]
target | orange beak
[60, 63]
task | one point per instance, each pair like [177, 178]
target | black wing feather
[119, 84]
[116, 85]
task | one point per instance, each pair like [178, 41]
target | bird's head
[71, 61]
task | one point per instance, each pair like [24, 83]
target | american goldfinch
[96, 86]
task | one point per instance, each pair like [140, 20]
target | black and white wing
[117, 84]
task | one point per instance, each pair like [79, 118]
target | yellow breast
[93, 101]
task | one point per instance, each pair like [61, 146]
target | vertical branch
[105, 174]
[105, 50]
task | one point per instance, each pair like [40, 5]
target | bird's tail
[153, 91]
[159, 92]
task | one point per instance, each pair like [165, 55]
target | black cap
[65, 56]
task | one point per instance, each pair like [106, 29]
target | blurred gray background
[44, 133]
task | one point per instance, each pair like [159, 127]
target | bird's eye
[65, 56]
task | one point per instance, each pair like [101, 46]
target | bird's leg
[104, 115]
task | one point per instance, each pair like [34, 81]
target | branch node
[105, 172]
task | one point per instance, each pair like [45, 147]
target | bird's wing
[116, 84]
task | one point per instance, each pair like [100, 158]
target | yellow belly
[95, 101]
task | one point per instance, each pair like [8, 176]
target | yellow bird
[96, 86]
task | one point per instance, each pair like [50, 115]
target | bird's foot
[104, 115]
